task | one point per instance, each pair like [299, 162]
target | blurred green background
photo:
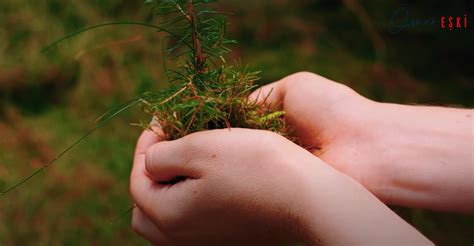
[47, 100]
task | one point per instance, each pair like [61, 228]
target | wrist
[368, 157]
[338, 210]
[422, 155]
[319, 182]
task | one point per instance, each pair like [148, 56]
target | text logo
[402, 20]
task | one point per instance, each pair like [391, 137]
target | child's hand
[235, 185]
[406, 155]
[332, 121]
[244, 186]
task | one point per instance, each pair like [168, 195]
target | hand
[234, 186]
[244, 186]
[400, 153]
[332, 121]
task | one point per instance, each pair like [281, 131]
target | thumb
[270, 95]
[170, 161]
[149, 137]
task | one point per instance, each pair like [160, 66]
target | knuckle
[303, 76]
[194, 144]
[191, 142]
[150, 154]
[298, 80]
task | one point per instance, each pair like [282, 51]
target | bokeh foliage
[50, 99]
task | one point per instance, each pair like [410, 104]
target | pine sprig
[206, 93]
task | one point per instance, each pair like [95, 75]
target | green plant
[205, 92]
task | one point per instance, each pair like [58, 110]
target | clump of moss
[206, 93]
[223, 104]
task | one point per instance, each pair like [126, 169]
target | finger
[148, 138]
[270, 95]
[161, 203]
[142, 225]
[169, 160]
[139, 181]
[153, 173]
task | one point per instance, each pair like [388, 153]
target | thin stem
[98, 123]
[174, 95]
[198, 55]
[124, 213]
[103, 25]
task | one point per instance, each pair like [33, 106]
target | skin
[246, 186]
[412, 156]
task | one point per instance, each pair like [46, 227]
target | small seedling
[205, 93]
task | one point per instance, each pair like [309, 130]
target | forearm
[340, 211]
[426, 154]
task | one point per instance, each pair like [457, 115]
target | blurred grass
[49, 100]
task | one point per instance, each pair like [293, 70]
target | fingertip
[143, 226]
[139, 183]
[148, 138]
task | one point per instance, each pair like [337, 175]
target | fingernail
[154, 122]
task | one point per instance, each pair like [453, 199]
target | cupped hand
[333, 122]
[233, 186]
[241, 186]
[415, 156]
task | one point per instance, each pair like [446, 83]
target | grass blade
[107, 116]
[55, 43]
[123, 214]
